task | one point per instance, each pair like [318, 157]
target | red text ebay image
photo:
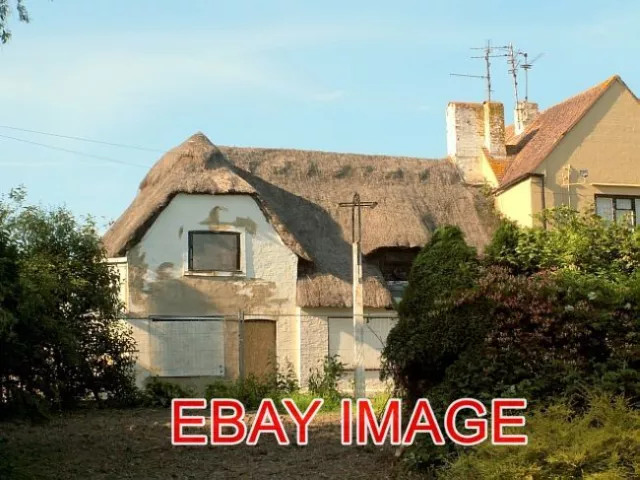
[359, 424]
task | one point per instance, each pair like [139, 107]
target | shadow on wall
[315, 229]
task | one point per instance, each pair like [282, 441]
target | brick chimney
[524, 114]
[472, 127]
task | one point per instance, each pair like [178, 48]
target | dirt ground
[136, 444]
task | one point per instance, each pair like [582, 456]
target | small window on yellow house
[623, 210]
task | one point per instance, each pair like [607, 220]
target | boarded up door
[259, 347]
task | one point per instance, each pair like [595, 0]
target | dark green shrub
[603, 442]
[159, 393]
[426, 339]
[503, 251]
[538, 337]
[444, 266]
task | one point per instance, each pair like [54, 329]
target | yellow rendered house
[583, 152]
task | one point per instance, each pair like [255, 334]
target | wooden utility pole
[358, 294]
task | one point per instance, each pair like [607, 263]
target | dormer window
[214, 251]
[394, 263]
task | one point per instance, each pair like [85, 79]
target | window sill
[190, 273]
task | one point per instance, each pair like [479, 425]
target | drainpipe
[543, 199]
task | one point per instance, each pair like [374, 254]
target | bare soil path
[135, 444]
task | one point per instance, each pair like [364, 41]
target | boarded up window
[375, 335]
[214, 251]
[186, 347]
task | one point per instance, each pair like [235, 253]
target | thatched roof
[299, 191]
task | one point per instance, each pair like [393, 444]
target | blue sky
[354, 76]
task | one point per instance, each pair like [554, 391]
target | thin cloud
[101, 81]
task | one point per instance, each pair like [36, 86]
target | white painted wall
[470, 128]
[318, 325]
[465, 138]
[159, 283]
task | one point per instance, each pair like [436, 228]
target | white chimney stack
[524, 115]
[472, 127]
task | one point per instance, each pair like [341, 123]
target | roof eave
[515, 181]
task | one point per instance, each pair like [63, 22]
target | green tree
[421, 345]
[6, 9]
[60, 332]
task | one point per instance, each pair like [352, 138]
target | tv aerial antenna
[513, 60]
[526, 66]
[488, 55]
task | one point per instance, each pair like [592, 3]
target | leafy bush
[424, 340]
[159, 393]
[601, 443]
[573, 241]
[61, 340]
[324, 383]
[538, 337]
[252, 390]
[552, 319]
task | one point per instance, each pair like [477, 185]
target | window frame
[238, 236]
[614, 197]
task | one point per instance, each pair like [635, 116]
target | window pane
[215, 251]
[624, 217]
[623, 204]
[604, 208]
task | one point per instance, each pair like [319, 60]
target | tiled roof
[509, 133]
[497, 166]
[532, 146]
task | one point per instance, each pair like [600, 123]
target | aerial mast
[487, 56]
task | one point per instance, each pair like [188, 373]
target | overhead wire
[75, 152]
[82, 139]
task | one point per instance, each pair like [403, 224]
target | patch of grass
[424, 175]
[368, 170]
[285, 169]
[303, 400]
[253, 165]
[344, 172]
[313, 170]
[379, 401]
[397, 174]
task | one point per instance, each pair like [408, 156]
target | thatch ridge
[195, 166]
[300, 190]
